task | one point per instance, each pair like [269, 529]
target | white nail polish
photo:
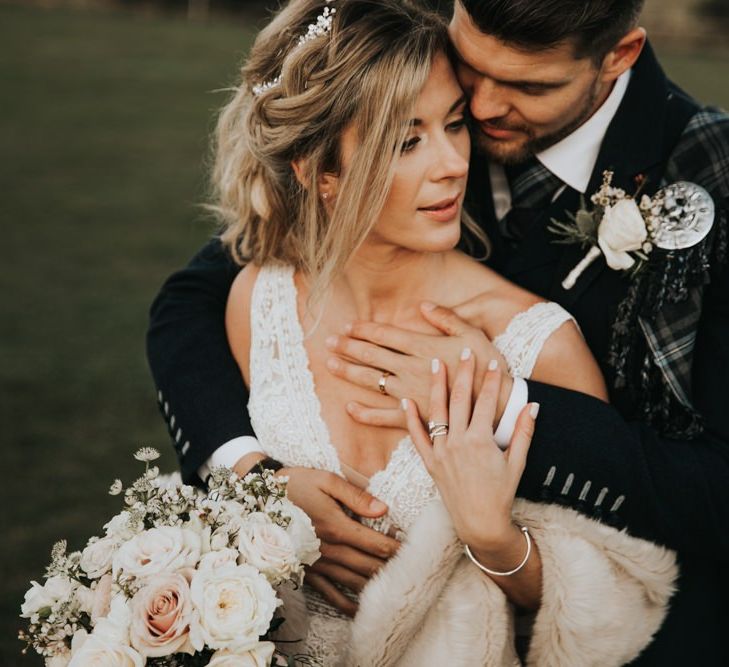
[466, 354]
[534, 410]
[493, 365]
[435, 366]
[404, 403]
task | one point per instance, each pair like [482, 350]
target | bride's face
[422, 212]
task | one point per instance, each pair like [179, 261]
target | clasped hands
[351, 552]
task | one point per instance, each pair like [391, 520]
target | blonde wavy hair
[366, 74]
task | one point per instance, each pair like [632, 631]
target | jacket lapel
[633, 150]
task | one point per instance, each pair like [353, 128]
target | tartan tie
[532, 187]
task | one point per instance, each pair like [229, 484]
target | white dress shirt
[572, 160]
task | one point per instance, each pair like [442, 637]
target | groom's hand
[350, 552]
[367, 349]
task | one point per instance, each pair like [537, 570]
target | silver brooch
[686, 216]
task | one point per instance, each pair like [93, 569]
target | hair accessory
[322, 26]
[493, 573]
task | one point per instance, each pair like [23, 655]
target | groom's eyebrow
[458, 103]
[512, 83]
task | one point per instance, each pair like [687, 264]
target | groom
[559, 92]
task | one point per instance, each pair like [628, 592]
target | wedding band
[382, 384]
[436, 429]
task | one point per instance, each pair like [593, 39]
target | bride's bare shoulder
[498, 296]
[238, 315]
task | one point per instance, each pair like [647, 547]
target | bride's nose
[451, 159]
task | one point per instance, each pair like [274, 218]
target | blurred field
[103, 131]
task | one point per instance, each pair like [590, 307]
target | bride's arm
[477, 481]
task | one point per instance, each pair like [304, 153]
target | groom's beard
[510, 154]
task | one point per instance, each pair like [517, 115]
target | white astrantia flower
[146, 454]
[235, 604]
[116, 488]
[157, 550]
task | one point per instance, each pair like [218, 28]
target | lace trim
[526, 334]
[405, 486]
[284, 406]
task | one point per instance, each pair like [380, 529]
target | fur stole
[605, 594]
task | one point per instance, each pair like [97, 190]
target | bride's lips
[444, 210]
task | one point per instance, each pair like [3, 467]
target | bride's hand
[368, 349]
[476, 479]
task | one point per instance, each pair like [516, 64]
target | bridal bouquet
[180, 577]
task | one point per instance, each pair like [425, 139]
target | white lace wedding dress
[286, 416]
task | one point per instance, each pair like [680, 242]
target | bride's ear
[327, 182]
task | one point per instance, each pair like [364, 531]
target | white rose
[302, 534]
[158, 550]
[60, 588]
[621, 230]
[235, 605]
[119, 528]
[41, 597]
[97, 556]
[114, 627]
[99, 652]
[36, 598]
[257, 656]
[85, 598]
[219, 539]
[267, 547]
[215, 559]
[60, 660]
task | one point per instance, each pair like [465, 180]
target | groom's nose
[488, 100]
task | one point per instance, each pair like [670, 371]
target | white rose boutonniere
[621, 231]
[626, 232]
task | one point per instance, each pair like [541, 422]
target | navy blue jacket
[600, 459]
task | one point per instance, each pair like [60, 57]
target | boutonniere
[627, 231]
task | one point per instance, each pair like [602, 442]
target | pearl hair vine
[322, 26]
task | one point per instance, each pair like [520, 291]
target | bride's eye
[409, 144]
[457, 124]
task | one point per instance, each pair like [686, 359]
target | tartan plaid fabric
[671, 338]
[702, 157]
[532, 186]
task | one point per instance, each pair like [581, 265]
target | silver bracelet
[493, 573]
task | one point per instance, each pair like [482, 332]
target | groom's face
[522, 101]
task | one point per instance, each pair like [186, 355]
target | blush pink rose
[162, 617]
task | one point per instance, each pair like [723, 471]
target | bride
[341, 165]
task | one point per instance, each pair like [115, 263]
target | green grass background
[104, 119]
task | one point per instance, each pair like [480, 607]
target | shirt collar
[573, 159]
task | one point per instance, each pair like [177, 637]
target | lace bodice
[286, 415]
